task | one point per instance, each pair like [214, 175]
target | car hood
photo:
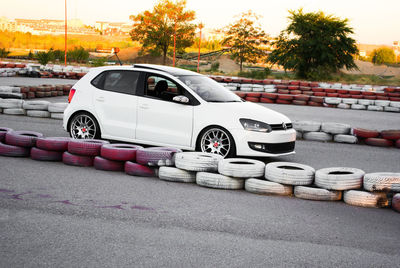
[250, 110]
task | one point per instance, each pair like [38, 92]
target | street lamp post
[198, 58]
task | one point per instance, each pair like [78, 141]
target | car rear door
[159, 119]
[115, 103]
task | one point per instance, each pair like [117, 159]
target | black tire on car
[84, 126]
[217, 140]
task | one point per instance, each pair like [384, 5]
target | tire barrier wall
[32, 92]
[351, 185]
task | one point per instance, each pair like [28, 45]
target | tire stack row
[33, 108]
[330, 131]
[364, 104]
[31, 92]
[384, 138]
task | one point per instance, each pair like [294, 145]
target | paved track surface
[57, 215]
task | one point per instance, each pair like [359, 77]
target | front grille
[280, 126]
[273, 148]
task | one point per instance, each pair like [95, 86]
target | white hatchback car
[166, 106]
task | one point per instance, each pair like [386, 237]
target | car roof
[168, 69]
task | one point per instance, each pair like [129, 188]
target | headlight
[253, 125]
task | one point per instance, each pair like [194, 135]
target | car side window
[161, 88]
[120, 81]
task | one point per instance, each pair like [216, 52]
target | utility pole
[173, 61]
[65, 48]
[198, 58]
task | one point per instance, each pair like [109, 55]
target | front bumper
[275, 143]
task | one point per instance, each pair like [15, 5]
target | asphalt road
[57, 215]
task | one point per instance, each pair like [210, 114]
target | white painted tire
[318, 194]
[257, 186]
[241, 168]
[270, 90]
[345, 138]
[176, 175]
[335, 128]
[375, 108]
[57, 107]
[36, 105]
[339, 178]
[366, 102]
[306, 126]
[317, 136]
[382, 181]
[343, 106]
[289, 173]
[37, 113]
[366, 199]
[391, 109]
[196, 161]
[395, 104]
[59, 116]
[218, 181]
[14, 111]
[11, 104]
[349, 101]
[382, 103]
[334, 101]
[358, 107]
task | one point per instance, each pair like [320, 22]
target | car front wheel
[217, 141]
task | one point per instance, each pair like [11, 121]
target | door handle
[100, 99]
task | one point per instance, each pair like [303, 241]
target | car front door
[160, 120]
[115, 103]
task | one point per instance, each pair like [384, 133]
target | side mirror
[181, 99]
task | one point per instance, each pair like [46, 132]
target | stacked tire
[50, 148]
[384, 138]
[82, 152]
[36, 108]
[17, 143]
[113, 156]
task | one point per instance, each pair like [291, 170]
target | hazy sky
[374, 22]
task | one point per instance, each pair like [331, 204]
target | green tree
[314, 45]
[155, 29]
[43, 57]
[4, 53]
[244, 38]
[383, 55]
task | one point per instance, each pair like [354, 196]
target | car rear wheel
[217, 141]
[84, 126]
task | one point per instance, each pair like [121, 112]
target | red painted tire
[333, 95]
[309, 93]
[101, 163]
[299, 102]
[317, 99]
[119, 151]
[382, 98]
[396, 95]
[390, 89]
[357, 96]
[283, 91]
[88, 147]
[11, 150]
[252, 99]
[354, 92]
[266, 100]
[295, 92]
[302, 97]
[135, 169]
[3, 131]
[44, 155]
[59, 144]
[253, 94]
[394, 99]
[22, 138]
[396, 202]
[329, 105]
[368, 93]
[157, 156]
[365, 133]
[313, 103]
[317, 89]
[284, 87]
[293, 87]
[271, 96]
[304, 84]
[390, 134]
[77, 160]
[241, 94]
[294, 83]
[314, 84]
[378, 142]
[285, 97]
[342, 91]
[370, 97]
[344, 96]
[330, 90]
[280, 101]
[320, 94]
[397, 144]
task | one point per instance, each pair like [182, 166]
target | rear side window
[117, 81]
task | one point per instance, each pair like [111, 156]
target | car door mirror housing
[181, 99]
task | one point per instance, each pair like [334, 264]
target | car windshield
[208, 89]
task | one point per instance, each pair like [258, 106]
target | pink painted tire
[397, 143]
[157, 156]
[59, 144]
[77, 160]
[86, 147]
[120, 151]
[3, 131]
[101, 163]
[135, 169]
[379, 142]
[11, 150]
[396, 202]
[44, 155]
[22, 138]
[390, 134]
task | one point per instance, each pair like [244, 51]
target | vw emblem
[284, 126]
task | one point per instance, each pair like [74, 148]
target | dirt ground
[370, 68]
